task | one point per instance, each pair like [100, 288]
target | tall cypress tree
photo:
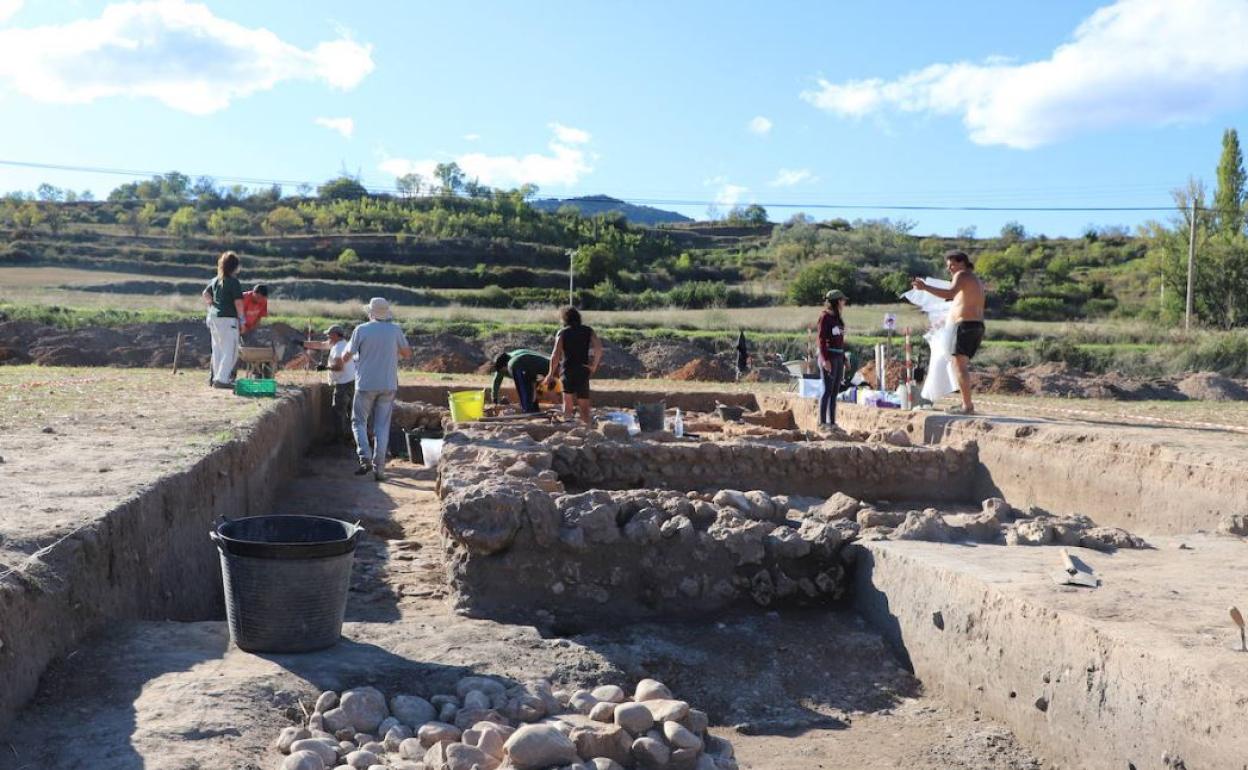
[1228, 200]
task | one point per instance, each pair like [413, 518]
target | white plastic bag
[941, 338]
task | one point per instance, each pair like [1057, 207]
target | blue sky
[868, 104]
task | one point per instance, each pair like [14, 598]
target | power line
[644, 200]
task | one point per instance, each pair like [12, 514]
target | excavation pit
[1139, 668]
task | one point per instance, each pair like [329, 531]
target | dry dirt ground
[76, 442]
[790, 690]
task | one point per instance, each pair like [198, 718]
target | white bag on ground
[941, 337]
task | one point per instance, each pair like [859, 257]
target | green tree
[324, 221]
[184, 222]
[1013, 232]
[1228, 198]
[410, 185]
[139, 218]
[817, 279]
[451, 177]
[595, 263]
[283, 220]
[348, 257]
[49, 194]
[28, 217]
[54, 217]
[343, 188]
[230, 221]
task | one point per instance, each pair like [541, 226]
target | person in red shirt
[255, 307]
[831, 354]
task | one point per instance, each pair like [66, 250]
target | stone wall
[658, 532]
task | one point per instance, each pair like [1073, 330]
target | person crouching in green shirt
[527, 368]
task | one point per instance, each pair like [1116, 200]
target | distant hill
[601, 204]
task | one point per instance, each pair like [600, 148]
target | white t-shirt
[347, 373]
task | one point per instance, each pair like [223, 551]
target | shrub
[348, 257]
[1040, 309]
[817, 279]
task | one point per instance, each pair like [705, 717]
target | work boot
[379, 474]
[365, 467]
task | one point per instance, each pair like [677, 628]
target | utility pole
[1191, 268]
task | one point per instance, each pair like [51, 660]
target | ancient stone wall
[662, 528]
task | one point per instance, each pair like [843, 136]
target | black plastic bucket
[650, 416]
[286, 580]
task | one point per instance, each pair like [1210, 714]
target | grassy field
[48, 294]
[53, 286]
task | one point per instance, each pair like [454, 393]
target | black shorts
[575, 381]
[970, 334]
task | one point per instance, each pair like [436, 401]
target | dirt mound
[705, 370]
[1210, 386]
[445, 353]
[661, 357]
[766, 374]
[617, 363]
[1055, 379]
[505, 342]
[1122, 388]
[999, 383]
[13, 356]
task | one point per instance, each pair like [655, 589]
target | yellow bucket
[467, 405]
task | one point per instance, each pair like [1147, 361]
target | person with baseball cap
[376, 347]
[831, 354]
[341, 370]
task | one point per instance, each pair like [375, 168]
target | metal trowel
[1075, 574]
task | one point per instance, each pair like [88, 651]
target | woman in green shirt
[225, 307]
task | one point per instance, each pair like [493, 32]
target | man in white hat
[376, 347]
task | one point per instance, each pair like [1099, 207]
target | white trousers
[224, 333]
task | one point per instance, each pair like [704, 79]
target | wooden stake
[177, 350]
[1238, 619]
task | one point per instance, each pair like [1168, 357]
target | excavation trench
[621, 544]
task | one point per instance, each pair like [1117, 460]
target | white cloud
[759, 125]
[563, 166]
[175, 51]
[344, 126]
[787, 177]
[1150, 62]
[471, 137]
[569, 135]
[730, 194]
[8, 8]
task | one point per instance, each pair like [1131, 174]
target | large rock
[303, 760]
[667, 709]
[651, 753]
[926, 525]
[651, 689]
[681, 737]
[634, 717]
[538, 746]
[483, 517]
[365, 708]
[838, 506]
[412, 710]
[602, 740]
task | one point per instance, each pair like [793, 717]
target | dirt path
[792, 690]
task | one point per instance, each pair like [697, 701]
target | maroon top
[831, 335]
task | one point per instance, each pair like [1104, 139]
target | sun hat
[378, 309]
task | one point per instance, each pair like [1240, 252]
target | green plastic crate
[255, 388]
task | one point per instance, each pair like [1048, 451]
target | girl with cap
[831, 354]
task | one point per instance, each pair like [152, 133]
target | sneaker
[223, 385]
[960, 410]
[379, 474]
[365, 467]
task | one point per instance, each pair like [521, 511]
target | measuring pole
[1191, 269]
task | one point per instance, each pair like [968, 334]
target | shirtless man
[967, 314]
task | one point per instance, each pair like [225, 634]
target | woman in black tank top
[576, 356]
